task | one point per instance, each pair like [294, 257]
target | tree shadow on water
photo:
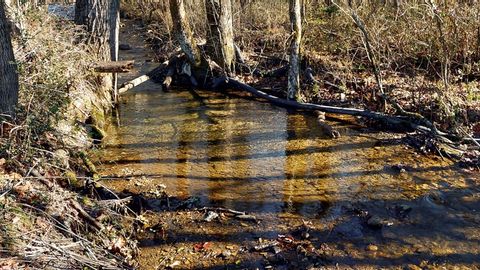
[438, 228]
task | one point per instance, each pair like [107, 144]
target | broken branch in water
[160, 74]
[237, 214]
[235, 84]
[221, 209]
[407, 120]
[326, 128]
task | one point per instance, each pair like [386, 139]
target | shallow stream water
[362, 189]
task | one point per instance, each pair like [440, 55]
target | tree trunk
[8, 72]
[183, 33]
[95, 15]
[114, 23]
[102, 21]
[296, 38]
[220, 40]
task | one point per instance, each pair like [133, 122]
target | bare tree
[8, 72]
[183, 33]
[101, 18]
[220, 39]
[296, 38]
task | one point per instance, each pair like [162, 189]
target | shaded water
[248, 155]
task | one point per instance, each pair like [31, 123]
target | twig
[221, 209]
[238, 214]
[82, 213]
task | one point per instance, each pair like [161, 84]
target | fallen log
[157, 74]
[394, 120]
[139, 80]
[114, 66]
[410, 120]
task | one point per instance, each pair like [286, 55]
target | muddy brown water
[365, 188]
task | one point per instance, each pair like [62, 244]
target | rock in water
[350, 229]
[124, 47]
[210, 216]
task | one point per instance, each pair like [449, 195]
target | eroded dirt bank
[363, 201]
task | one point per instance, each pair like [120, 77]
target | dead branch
[371, 56]
[139, 80]
[278, 72]
[115, 202]
[162, 73]
[221, 209]
[33, 172]
[326, 128]
[238, 55]
[394, 120]
[309, 76]
[237, 214]
[84, 215]
[114, 67]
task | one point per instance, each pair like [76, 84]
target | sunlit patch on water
[250, 156]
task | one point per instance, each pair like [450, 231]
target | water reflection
[250, 156]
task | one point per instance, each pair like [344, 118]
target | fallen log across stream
[403, 121]
[235, 84]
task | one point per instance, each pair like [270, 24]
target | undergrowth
[52, 61]
[45, 222]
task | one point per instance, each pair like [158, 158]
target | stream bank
[48, 219]
[362, 201]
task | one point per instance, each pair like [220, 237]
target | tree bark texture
[114, 66]
[296, 38]
[114, 22]
[8, 70]
[220, 42]
[95, 15]
[183, 33]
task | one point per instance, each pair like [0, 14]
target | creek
[367, 199]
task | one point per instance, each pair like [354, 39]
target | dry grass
[51, 61]
[41, 230]
[39, 227]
